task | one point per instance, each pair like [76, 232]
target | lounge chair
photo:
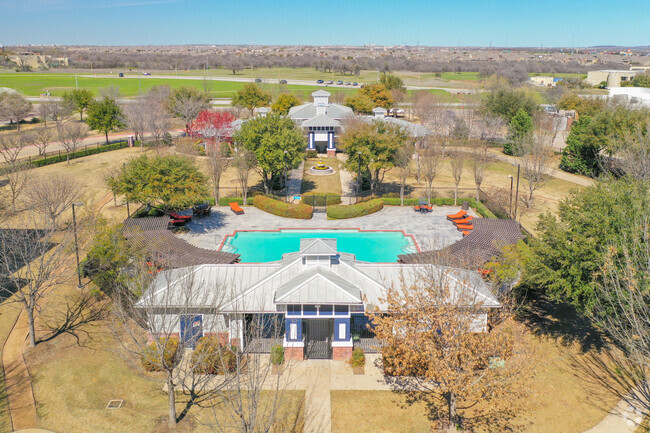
[465, 232]
[417, 208]
[462, 227]
[178, 216]
[178, 222]
[459, 215]
[234, 206]
[464, 220]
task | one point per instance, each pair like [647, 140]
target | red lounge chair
[465, 227]
[427, 208]
[178, 222]
[464, 220]
[460, 214]
[177, 216]
[234, 206]
[416, 208]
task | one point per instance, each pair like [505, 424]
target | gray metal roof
[413, 129]
[308, 111]
[318, 286]
[318, 247]
[321, 93]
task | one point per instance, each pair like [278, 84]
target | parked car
[121, 75]
[320, 81]
[330, 82]
[146, 73]
[348, 83]
[283, 81]
[258, 80]
[399, 112]
[339, 82]
[355, 84]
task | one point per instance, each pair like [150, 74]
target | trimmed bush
[78, 154]
[311, 153]
[321, 199]
[358, 358]
[277, 355]
[340, 212]
[479, 207]
[225, 201]
[212, 357]
[280, 208]
[153, 360]
[391, 201]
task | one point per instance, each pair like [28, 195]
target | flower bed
[280, 208]
[354, 210]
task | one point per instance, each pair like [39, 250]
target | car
[258, 80]
[283, 81]
[146, 73]
[339, 82]
[399, 112]
[121, 75]
[348, 83]
[320, 81]
[330, 82]
[355, 84]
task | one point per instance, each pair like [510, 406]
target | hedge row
[78, 154]
[479, 207]
[280, 208]
[340, 212]
[225, 201]
[321, 199]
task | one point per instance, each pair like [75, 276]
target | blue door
[191, 329]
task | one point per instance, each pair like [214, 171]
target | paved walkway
[318, 402]
[22, 405]
[294, 180]
[348, 185]
[431, 231]
[624, 418]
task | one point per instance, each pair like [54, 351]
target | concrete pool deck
[431, 230]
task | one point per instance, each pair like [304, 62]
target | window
[309, 310]
[293, 331]
[293, 310]
[341, 310]
[342, 331]
[325, 310]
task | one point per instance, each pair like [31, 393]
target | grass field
[330, 184]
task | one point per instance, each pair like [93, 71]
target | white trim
[293, 343]
[343, 343]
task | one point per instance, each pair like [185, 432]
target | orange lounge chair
[428, 208]
[465, 232]
[465, 227]
[177, 216]
[460, 214]
[464, 220]
[416, 208]
[234, 206]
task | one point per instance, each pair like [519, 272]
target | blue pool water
[382, 247]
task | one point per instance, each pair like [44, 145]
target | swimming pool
[368, 246]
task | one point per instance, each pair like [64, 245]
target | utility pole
[517, 193]
[76, 82]
[511, 180]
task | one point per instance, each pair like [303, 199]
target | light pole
[76, 243]
[358, 175]
[511, 179]
[517, 193]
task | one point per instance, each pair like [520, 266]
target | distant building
[637, 96]
[612, 77]
[543, 80]
[321, 120]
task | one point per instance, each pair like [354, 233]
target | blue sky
[328, 22]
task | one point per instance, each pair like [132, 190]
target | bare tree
[430, 165]
[71, 134]
[243, 161]
[218, 163]
[50, 195]
[457, 162]
[635, 152]
[111, 92]
[33, 261]
[537, 155]
[480, 161]
[135, 112]
[44, 136]
[44, 111]
[15, 173]
[491, 127]
[403, 161]
[15, 107]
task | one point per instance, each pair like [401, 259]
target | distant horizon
[472, 23]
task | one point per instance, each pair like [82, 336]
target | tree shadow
[563, 322]
[308, 185]
[207, 224]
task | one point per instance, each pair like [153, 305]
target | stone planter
[358, 370]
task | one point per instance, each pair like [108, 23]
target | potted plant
[358, 361]
[277, 358]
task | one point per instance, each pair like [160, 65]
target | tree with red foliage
[212, 126]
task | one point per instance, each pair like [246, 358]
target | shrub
[354, 210]
[277, 355]
[392, 201]
[358, 358]
[78, 154]
[311, 153]
[212, 357]
[479, 207]
[280, 208]
[321, 199]
[225, 201]
[152, 359]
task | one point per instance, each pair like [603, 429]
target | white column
[330, 140]
[311, 140]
